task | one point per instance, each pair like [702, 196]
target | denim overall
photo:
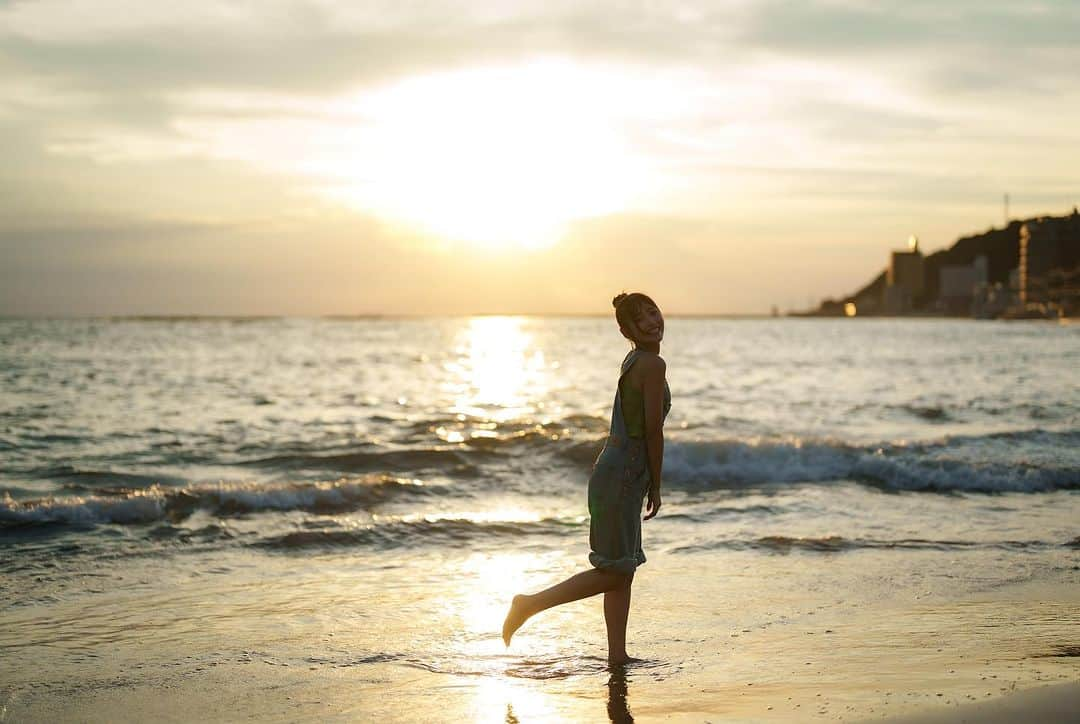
[617, 488]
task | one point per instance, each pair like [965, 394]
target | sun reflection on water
[488, 582]
[498, 379]
[498, 374]
[510, 701]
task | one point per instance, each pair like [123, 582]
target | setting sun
[501, 157]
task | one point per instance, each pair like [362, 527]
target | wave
[974, 409]
[155, 503]
[978, 464]
[1030, 461]
[461, 446]
[837, 544]
[929, 413]
[956, 464]
[81, 478]
[452, 461]
[450, 533]
[447, 532]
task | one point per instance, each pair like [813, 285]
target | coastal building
[957, 285]
[1038, 255]
[904, 281]
[1049, 250]
[994, 299]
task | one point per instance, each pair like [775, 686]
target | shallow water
[365, 495]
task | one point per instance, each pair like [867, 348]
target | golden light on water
[492, 578]
[490, 581]
[506, 700]
[497, 374]
[501, 515]
[510, 695]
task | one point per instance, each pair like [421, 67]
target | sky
[308, 157]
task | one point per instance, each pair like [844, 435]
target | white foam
[140, 506]
[156, 502]
[921, 467]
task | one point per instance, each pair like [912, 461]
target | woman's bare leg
[580, 585]
[616, 614]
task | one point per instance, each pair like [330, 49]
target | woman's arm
[652, 388]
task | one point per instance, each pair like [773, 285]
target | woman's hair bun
[618, 299]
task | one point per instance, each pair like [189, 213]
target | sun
[499, 157]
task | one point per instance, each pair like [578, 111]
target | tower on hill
[905, 279]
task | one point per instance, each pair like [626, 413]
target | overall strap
[617, 431]
[628, 362]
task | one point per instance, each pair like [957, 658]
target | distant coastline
[1028, 269]
[359, 317]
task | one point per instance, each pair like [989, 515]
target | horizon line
[360, 316]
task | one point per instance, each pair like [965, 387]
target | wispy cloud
[831, 121]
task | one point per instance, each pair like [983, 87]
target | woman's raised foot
[519, 613]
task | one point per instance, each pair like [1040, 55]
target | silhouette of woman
[626, 472]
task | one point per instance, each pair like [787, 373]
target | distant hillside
[1001, 247]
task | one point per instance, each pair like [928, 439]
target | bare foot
[518, 615]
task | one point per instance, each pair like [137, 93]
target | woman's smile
[650, 322]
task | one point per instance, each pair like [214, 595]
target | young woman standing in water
[626, 472]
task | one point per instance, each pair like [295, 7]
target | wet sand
[1056, 703]
[281, 696]
[278, 694]
[817, 657]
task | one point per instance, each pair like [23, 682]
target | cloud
[707, 124]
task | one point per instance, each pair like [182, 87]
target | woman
[625, 473]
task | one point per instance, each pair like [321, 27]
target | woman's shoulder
[640, 353]
[650, 361]
[645, 365]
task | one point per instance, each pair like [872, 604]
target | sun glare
[500, 157]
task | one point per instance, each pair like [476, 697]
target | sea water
[367, 494]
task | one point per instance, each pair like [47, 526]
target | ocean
[357, 499]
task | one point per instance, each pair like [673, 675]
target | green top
[633, 408]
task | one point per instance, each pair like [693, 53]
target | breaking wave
[155, 503]
[1026, 462]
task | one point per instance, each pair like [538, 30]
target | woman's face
[648, 324]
